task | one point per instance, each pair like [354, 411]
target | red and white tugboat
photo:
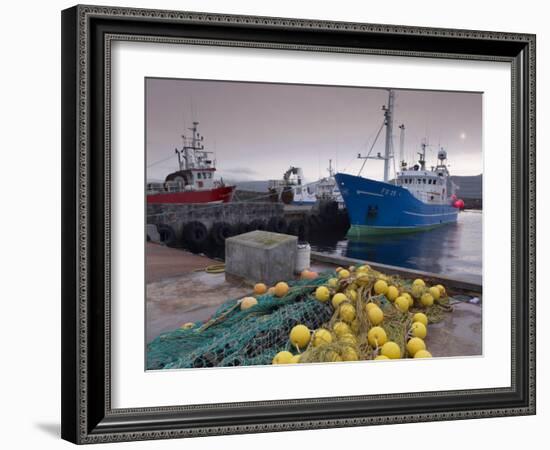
[194, 181]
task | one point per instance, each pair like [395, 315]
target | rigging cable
[372, 146]
[159, 161]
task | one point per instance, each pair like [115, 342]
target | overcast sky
[258, 130]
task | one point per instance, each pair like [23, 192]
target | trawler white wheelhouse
[433, 186]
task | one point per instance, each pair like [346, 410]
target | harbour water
[452, 250]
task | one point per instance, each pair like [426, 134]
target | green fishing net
[232, 337]
[241, 338]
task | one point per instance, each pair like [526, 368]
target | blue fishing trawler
[416, 199]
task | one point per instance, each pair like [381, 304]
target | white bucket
[303, 258]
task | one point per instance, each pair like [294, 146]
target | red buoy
[459, 204]
[453, 197]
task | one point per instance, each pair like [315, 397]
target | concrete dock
[179, 290]
[458, 334]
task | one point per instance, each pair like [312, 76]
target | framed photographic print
[256, 207]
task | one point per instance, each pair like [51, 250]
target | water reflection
[453, 249]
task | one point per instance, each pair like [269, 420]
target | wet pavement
[179, 290]
[165, 262]
[191, 297]
[458, 334]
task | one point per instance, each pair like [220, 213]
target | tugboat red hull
[216, 195]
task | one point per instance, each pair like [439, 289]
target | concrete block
[153, 233]
[261, 256]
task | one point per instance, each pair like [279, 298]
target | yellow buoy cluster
[279, 290]
[376, 317]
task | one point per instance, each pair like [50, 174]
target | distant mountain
[255, 186]
[470, 187]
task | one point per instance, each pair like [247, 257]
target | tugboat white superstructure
[292, 189]
[326, 188]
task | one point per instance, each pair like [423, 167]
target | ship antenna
[402, 145]
[422, 154]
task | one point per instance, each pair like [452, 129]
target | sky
[259, 130]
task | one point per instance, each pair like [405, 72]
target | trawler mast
[388, 121]
[388, 149]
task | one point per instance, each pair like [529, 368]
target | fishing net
[233, 337]
[396, 323]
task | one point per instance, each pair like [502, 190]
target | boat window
[424, 180]
[199, 175]
[419, 181]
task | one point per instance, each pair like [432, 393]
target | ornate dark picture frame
[87, 34]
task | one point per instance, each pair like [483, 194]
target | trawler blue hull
[375, 207]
